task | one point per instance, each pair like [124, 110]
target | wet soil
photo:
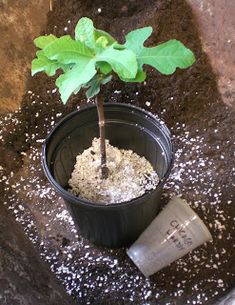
[201, 126]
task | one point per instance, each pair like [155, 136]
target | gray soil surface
[130, 176]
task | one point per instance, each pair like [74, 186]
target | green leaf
[73, 79]
[135, 42]
[123, 62]
[106, 79]
[42, 41]
[104, 67]
[66, 50]
[167, 56]
[135, 39]
[140, 77]
[84, 32]
[42, 63]
[101, 42]
[89, 60]
[99, 33]
[94, 87]
[118, 46]
[95, 83]
[93, 91]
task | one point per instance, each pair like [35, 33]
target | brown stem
[100, 109]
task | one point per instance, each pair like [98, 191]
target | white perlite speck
[130, 175]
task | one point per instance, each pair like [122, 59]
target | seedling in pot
[89, 60]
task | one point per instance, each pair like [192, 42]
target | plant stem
[100, 109]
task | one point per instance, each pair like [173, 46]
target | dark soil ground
[202, 129]
[24, 278]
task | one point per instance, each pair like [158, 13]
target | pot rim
[77, 200]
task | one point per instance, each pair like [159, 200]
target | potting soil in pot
[130, 175]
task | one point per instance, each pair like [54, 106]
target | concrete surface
[20, 22]
[216, 24]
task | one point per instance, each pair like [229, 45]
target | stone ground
[201, 125]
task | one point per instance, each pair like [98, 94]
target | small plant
[89, 60]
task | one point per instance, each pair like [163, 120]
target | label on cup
[178, 235]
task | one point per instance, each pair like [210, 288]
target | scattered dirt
[201, 127]
[130, 175]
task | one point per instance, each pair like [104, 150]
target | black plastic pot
[127, 127]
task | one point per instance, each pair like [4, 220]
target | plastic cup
[176, 231]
